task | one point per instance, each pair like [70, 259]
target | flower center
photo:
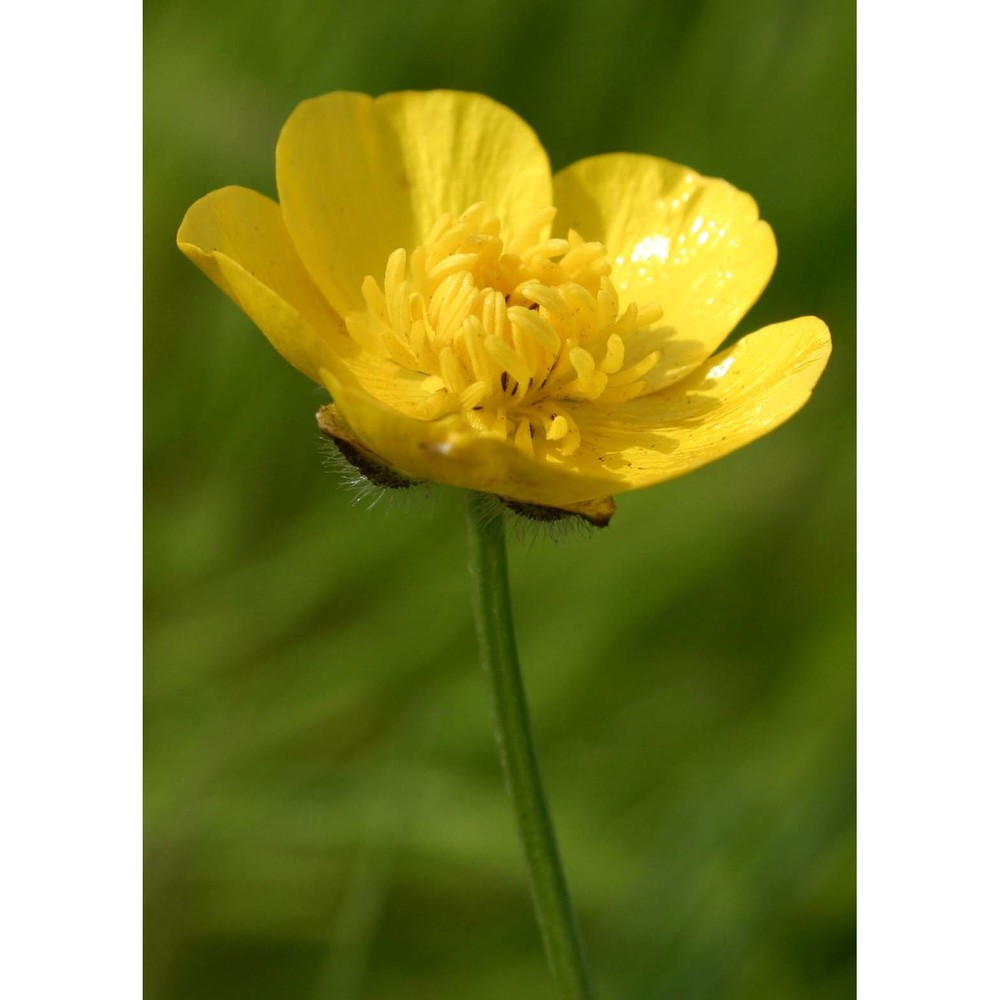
[505, 334]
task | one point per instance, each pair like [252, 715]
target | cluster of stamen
[503, 334]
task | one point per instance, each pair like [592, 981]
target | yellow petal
[360, 177]
[695, 246]
[598, 512]
[729, 401]
[238, 238]
[447, 451]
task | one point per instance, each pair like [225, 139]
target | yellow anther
[447, 243]
[418, 341]
[583, 362]
[502, 332]
[473, 336]
[451, 303]
[648, 314]
[615, 355]
[474, 213]
[558, 429]
[579, 299]
[418, 266]
[395, 267]
[598, 383]
[494, 311]
[580, 256]
[374, 298]
[477, 421]
[474, 395]
[549, 298]
[532, 323]
[435, 405]
[546, 271]
[526, 347]
[571, 443]
[451, 370]
[626, 322]
[490, 226]
[455, 263]
[593, 273]
[607, 304]
[546, 249]
[508, 359]
[640, 368]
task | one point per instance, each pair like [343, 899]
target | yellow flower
[481, 323]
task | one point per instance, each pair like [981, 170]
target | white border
[928, 336]
[70, 409]
[928, 352]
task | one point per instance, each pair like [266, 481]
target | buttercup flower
[481, 323]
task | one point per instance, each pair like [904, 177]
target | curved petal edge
[236, 237]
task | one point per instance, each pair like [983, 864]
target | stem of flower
[498, 650]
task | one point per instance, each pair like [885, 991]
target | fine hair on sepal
[366, 492]
[531, 523]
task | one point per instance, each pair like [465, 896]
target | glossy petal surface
[732, 399]
[480, 352]
[238, 238]
[360, 177]
[693, 245]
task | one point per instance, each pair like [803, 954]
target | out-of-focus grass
[325, 814]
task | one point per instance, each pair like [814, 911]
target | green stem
[498, 650]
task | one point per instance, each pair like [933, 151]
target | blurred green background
[325, 815]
